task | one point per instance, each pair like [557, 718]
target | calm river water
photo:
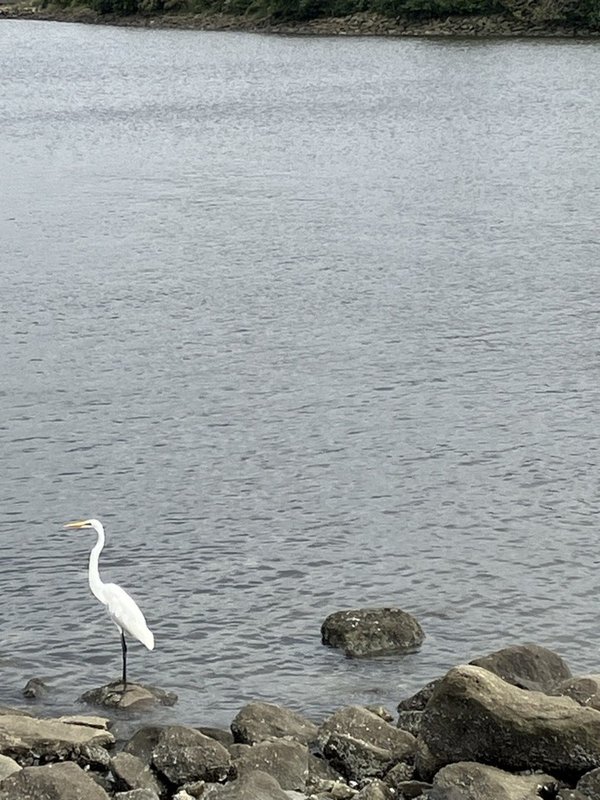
[310, 324]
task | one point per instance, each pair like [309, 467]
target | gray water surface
[310, 324]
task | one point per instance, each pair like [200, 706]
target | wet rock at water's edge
[527, 666]
[35, 688]
[258, 721]
[372, 631]
[478, 737]
[136, 697]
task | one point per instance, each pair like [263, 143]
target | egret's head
[86, 523]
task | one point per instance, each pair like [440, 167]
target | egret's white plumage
[121, 608]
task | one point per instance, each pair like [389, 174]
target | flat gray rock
[136, 697]
[53, 739]
[64, 781]
[372, 632]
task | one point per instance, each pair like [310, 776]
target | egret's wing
[125, 612]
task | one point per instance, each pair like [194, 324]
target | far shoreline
[355, 25]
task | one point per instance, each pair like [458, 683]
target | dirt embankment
[363, 24]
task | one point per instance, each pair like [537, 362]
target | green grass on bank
[572, 13]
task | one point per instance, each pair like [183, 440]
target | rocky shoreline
[512, 725]
[363, 24]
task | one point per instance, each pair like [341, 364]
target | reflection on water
[309, 324]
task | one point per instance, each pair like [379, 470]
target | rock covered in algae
[135, 697]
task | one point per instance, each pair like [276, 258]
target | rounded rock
[184, 755]
[372, 632]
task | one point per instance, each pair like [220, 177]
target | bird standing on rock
[121, 608]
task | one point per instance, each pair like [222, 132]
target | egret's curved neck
[96, 584]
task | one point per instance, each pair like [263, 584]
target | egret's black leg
[124, 649]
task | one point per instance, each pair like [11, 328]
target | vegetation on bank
[577, 14]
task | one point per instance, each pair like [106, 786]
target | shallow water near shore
[309, 324]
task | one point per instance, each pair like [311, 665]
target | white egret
[121, 608]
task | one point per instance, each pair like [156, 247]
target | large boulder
[471, 781]
[136, 697]
[258, 721]
[527, 666]
[473, 715]
[50, 739]
[65, 781]
[183, 755]
[359, 744]
[284, 760]
[372, 631]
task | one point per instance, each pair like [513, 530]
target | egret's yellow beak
[82, 524]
